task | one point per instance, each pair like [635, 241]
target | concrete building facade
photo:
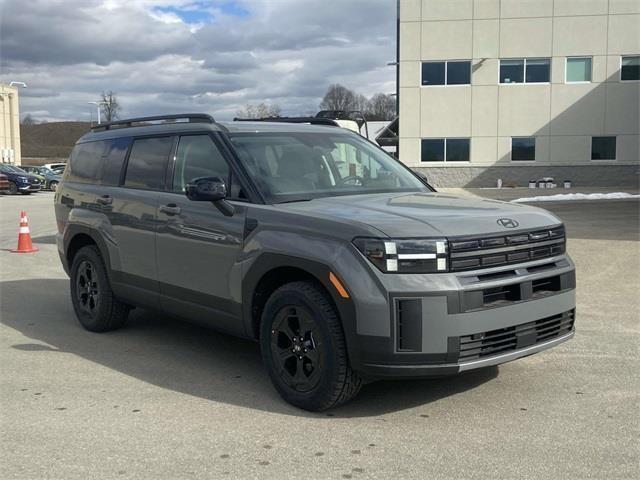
[519, 90]
[9, 125]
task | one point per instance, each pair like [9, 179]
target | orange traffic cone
[24, 237]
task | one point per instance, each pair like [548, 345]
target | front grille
[496, 250]
[504, 340]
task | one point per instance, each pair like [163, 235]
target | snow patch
[562, 197]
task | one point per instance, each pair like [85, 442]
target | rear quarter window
[114, 156]
[85, 162]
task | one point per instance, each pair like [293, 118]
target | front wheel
[304, 349]
[13, 188]
[53, 186]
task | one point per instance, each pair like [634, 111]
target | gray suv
[341, 262]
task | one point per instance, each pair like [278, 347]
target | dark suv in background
[20, 181]
[339, 260]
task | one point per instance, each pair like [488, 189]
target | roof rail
[310, 120]
[189, 117]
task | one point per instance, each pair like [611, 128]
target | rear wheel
[95, 305]
[13, 188]
[304, 349]
[53, 186]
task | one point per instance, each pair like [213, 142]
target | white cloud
[285, 51]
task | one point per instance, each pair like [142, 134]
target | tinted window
[433, 150]
[148, 163]
[537, 70]
[630, 68]
[511, 71]
[523, 149]
[114, 155]
[85, 163]
[603, 148]
[457, 150]
[458, 73]
[433, 73]
[198, 156]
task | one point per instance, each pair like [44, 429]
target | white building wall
[562, 116]
[9, 125]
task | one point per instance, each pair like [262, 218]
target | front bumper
[466, 320]
[31, 187]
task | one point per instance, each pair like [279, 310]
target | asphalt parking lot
[165, 399]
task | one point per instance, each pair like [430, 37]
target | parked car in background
[58, 170]
[51, 179]
[52, 166]
[20, 181]
[4, 183]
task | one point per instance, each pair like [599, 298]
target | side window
[114, 155]
[148, 163]
[85, 162]
[198, 156]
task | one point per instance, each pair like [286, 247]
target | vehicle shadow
[190, 359]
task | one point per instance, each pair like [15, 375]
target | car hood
[428, 214]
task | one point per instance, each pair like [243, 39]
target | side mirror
[210, 189]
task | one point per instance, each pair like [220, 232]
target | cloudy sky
[213, 56]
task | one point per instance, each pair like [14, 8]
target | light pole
[97, 104]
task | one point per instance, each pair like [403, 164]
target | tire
[13, 188]
[304, 349]
[53, 186]
[97, 309]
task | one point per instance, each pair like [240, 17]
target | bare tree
[338, 97]
[381, 107]
[261, 110]
[28, 120]
[360, 103]
[111, 107]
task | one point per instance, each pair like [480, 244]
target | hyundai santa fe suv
[341, 262]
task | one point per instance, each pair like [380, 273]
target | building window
[523, 149]
[603, 148]
[445, 149]
[525, 70]
[451, 72]
[578, 69]
[630, 68]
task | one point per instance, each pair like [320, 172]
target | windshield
[11, 169]
[291, 166]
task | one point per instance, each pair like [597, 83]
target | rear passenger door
[197, 246]
[134, 219]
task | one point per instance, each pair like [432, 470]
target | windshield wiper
[296, 200]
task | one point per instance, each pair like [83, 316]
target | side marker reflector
[338, 286]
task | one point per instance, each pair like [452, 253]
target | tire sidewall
[316, 398]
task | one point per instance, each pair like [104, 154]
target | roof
[186, 127]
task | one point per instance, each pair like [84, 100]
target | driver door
[197, 246]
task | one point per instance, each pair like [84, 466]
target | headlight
[405, 255]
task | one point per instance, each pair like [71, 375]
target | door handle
[170, 209]
[104, 200]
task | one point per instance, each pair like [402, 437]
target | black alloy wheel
[87, 288]
[296, 348]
